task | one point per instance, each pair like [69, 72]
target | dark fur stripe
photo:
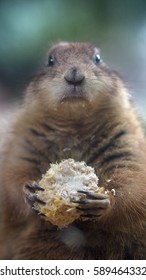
[111, 167]
[30, 160]
[102, 132]
[111, 142]
[47, 127]
[36, 133]
[114, 166]
[117, 155]
[108, 145]
[29, 147]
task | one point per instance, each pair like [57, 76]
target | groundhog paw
[30, 195]
[94, 205]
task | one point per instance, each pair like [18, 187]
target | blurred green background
[28, 27]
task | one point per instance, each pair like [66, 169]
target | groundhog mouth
[74, 95]
[73, 98]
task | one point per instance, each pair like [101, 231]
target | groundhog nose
[74, 76]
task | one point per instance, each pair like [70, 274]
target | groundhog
[75, 107]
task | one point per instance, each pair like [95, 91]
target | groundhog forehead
[65, 48]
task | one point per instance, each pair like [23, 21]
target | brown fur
[95, 122]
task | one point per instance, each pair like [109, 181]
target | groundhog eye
[50, 61]
[97, 58]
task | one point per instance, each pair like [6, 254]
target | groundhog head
[75, 78]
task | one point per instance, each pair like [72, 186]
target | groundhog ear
[96, 50]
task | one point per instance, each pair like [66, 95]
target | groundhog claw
[93, 205]
[93, 195]
[32, 187]
[30, 196]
